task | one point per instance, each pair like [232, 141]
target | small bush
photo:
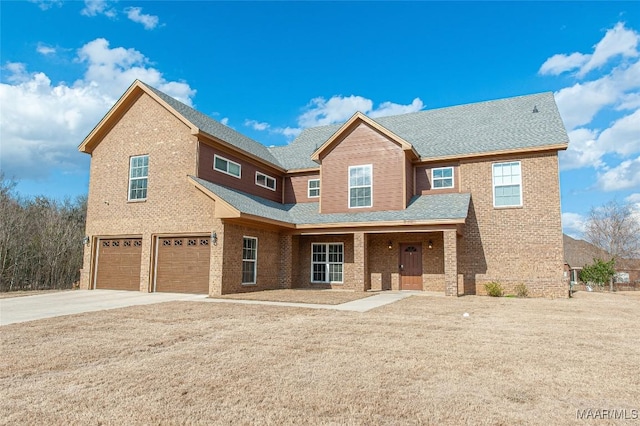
[521, 290]
[494, 289]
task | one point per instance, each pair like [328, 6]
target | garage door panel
[182, 265]
[118, 266]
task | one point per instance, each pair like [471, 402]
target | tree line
[40, 240]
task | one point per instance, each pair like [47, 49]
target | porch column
[360, 259]
[450, 263]
[216, 263]
[285, 267]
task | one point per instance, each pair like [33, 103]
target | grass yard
[322, 297]
[417, 361]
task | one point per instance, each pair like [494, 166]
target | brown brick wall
[303, 278]
[267, 276]
[514, 245]
[360, 147]
[173, 205]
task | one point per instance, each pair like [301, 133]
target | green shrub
[494, 289]
[521, 290]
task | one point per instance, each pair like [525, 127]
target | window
[265, 181]
[507, 184]
[249, 258]
[313, 188]
[442, 177]
[226, 166]
[326, 262]
[138, 174]
[360, 186]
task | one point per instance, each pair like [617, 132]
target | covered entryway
[411, 266]
[182, 264]
[118, 264]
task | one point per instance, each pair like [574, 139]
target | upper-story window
[226, 166]
[265, 181]
[360, 182]
[507, 184]
[442, 177]
[138, 174]
[313, 188]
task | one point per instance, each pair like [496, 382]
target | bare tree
[615, 228]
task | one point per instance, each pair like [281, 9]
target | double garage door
[181, 264]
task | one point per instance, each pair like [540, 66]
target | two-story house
[443, 200]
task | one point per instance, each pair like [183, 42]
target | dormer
[365, 167]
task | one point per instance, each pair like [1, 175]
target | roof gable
[198, 123]
[355, 120]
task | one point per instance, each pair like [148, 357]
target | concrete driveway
[39, 306]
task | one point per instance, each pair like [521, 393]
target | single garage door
[118, 265]
[182, 264]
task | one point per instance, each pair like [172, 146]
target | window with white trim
[313, 188]
[265, 181]
[227, 166]
[507, 184]
[360, 193]
[249, 259]
[138, 177]
[442, 177]
[327, 262]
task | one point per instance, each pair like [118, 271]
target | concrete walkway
[40, 306]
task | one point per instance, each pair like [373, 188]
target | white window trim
[453, 181]
[137, 178]
[493, 186]
[309, 188]
[370, 166]
[267, 177]
[255, 262]
[226, 172]
[327, 263]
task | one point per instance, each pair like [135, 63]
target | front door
[411, 266]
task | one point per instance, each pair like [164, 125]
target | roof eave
[545, 148]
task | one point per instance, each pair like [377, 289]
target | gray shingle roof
[504, 124]
[217, 129]
[432, 208]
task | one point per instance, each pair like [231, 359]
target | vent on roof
[535, 109]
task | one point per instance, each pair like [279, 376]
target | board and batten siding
[363, 145]
[247, 180]
[296, 188]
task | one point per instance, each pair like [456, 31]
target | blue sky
[269, 69]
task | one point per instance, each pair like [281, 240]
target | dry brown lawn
[418, 361]
[322, 297]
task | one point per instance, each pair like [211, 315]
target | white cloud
[44, 122]
[573, 224]
[624, 176]
[45, 50]
[148, 21]
[337, 109]
[623, 137]
[98, 7]
[225, 121]
[617, 41]
[583, 150]
[47, 4]
[557, 64]
[256, 125]
[289, 132]
[580, 103]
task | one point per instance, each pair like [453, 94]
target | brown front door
[411, 266]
